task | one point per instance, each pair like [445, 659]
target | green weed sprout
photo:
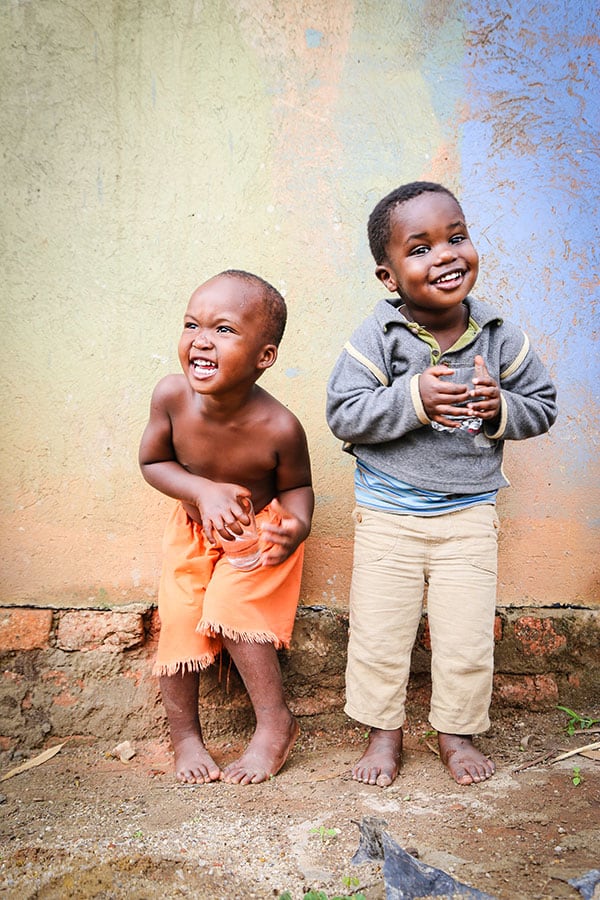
[321, 895]
[325, 834]
[577, 721]
[576, 777]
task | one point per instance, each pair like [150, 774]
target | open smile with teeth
[203, 368]
[450, 277]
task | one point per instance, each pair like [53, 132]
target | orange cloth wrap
[201, 597]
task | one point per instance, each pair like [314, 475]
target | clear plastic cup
[470, 423]
[242, 551]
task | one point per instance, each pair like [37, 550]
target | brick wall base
[87, 673]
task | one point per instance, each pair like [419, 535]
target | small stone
[123, 751]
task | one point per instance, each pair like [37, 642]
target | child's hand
[220, 506]
[280, 540]
[486, 404]
[440, 396]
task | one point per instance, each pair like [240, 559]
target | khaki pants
[395, 556]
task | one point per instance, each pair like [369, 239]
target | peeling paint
[313, 38]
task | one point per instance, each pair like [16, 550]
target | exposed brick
[136, 676]
[55, 677]
[97, 630]
[154, 626]
[26, 702]
[68, 688]
[538, 636]
[65, 698]
[106, 696]
[426, 635]
[526, 691]
[498, 629]
[312, 706]
[25, 629]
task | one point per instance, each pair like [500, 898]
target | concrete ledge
[87, 673]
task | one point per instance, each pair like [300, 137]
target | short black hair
[379, 226]
[275, 310]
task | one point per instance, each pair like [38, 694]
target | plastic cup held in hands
[469, 423]
[463, 375]
[242, 550]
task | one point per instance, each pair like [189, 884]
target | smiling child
[428, 467]
[215, 440]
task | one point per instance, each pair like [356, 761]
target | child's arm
[217, 503]
[366, 405]
[295, 497]
[527, 393]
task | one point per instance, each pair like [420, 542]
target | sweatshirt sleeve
[364, 404]
[528, 395]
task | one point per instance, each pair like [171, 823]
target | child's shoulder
[374, 324]
[170, 389]
[270, 404]
[277, 414]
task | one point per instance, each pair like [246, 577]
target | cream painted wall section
[147, 146]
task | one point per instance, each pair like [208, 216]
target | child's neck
[446, 329]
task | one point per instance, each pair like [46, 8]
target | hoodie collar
[387, 312]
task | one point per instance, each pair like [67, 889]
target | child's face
[431, 262]
[222, 346]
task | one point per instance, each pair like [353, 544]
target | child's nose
[200, 340]
[447, 253]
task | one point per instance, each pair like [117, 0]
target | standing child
[215, 440]
[428, 467]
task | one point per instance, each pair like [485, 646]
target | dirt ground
[86, 825]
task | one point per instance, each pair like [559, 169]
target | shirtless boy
[215, 438]
[428, 467]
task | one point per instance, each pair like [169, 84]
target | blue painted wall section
[530, 173]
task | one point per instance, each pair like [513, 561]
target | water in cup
[242, 551]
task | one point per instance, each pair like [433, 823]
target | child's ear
[386, 276]
[267, 356]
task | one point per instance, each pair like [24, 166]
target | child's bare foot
[464, 761]
[264, 756]
[193, 762]
[380, 763]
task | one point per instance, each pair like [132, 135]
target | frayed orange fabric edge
[184, 665]
[248, 637]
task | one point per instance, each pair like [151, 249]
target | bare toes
[380, 763]
[193, 763]
[244, 776]
[384, 780]
[464, 761]
[197, 777]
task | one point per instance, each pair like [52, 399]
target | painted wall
[148, 144]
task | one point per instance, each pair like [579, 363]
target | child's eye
[189, 325]
[223, 328]
[418, 251]
[457, 239]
